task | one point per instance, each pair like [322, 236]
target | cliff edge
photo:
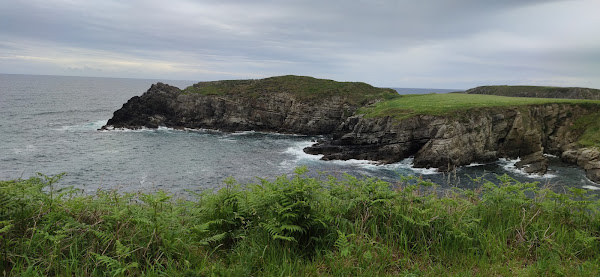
[286, 104]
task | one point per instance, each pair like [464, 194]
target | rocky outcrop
[586, 157]
[538, 92]
[445, 142]
[164, 105]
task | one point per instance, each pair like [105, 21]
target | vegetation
[304, 88]
[439, 104]
[538, 91]
[589, 127]
[300, 226]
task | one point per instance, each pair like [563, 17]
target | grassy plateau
[303, 88]
[440, 104]
[300, 226]
[407, 106]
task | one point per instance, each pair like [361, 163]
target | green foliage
[441, 104]
[538, 91]
[303, 88]
[298, 225]
[589, 127]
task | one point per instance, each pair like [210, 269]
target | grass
[407, 106]
[453, 104]
[538, 91]
[296, 225]
[303, 88]
[589, 127]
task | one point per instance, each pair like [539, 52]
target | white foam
[297, 150]
[550, 156]
[591, 187]
[243, 133]
[140, 130]
[125, 130]
[164, 128]
[474, 165]
[510, 166]
[408, 163]
[89, 126]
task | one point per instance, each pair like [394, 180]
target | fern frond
[286, 238]
[292, 228]
[213, 239]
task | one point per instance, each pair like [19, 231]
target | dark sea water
[48, 124]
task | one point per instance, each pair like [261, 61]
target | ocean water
[49, 124]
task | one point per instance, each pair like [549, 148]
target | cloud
[455, 44]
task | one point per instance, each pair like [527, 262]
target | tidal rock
[534, 163]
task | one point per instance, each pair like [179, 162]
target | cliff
[363, 122]
[480, 135]
[537, 91]
[287, 104]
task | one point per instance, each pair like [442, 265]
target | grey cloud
[303, 37]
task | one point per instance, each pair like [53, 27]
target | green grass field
[539, 91]
[300, 226]
[303, 88]
[440, 104]
[453, 104]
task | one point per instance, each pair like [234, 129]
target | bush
[300, 226]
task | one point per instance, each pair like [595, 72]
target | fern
[342, 244]
[5, 226]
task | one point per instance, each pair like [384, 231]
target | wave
[89, 126]
[297, 151]
[474, 165]
[510, 166]
[140, 130]
[70, 111]
[590, 187]
[408, 163]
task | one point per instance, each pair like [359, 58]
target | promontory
[359, 121]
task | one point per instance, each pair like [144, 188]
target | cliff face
[164, 105]
[538, 92]
[483, 135]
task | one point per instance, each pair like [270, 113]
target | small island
[359, 121]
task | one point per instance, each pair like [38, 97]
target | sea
[49, 125]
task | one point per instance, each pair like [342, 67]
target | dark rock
[534, 163]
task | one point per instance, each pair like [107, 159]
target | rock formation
[484, 135]
[271, 105]
[443, 142]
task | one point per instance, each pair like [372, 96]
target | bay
[49, 124]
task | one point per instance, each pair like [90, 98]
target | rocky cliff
[538, 92]
[287, 104]
[303, 105]
[480, 135]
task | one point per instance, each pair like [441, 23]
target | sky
[454, 44]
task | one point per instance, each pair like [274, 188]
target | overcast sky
[394, 43]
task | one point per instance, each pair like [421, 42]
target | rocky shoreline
[443, 142]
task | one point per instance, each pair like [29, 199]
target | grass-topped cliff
[391, 129]
[453, 104]
[406, 106]
[538, 91]
[302, 87]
